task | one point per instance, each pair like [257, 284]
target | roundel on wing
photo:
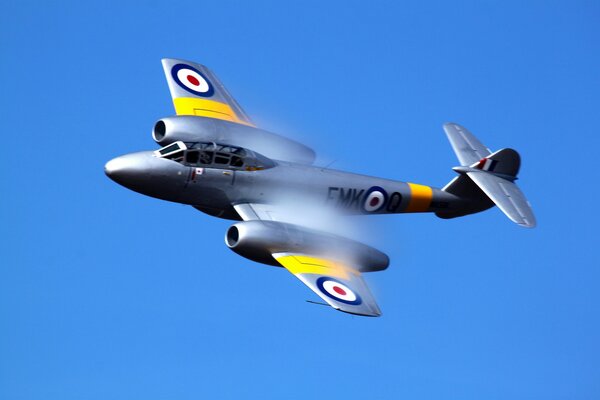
[192, 80]
[375, 198]
[338, 291]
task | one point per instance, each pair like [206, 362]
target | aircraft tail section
[486, 179]
[474, 199]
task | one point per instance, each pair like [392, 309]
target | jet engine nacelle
[258, 240]
[201, 129]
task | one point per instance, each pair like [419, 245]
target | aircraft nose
[129, 169]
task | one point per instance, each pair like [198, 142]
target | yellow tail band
[420, 198]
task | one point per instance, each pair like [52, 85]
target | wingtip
[372, 315]
[167, 60]
[529, 225]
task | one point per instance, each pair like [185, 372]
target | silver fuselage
[216, 190]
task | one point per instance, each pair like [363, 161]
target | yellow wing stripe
[300, 264]
[206, 108]
[420, 198]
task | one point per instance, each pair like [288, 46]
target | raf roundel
[338, 291]
[191, 80]
[375, 198]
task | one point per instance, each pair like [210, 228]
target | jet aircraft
[213, 158]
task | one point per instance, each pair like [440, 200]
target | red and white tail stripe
[486, 164]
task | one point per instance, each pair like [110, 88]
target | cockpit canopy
[214, 155]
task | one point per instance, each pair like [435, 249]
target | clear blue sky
[107, 294]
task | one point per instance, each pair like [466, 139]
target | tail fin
[486, 179]
[505, 162]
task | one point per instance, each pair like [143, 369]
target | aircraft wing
[196, 90]
[507, 196]
[467, 147]
[339, 284]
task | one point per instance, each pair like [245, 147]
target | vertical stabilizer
[505, 162]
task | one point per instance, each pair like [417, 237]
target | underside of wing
[308, 214]
[341, 286]
[196, 90]
[328, 264]
[263, 212]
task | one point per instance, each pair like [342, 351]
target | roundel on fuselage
[192, 80]
[375, 199]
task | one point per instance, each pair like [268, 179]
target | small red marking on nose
[374, 201]
[339, 290]
[193, 80]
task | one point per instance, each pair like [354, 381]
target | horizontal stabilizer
[467, 147]
[506, 195]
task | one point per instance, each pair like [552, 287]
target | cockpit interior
[214, 155]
